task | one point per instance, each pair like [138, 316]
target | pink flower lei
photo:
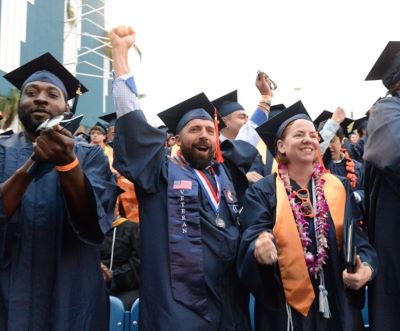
[314, 263]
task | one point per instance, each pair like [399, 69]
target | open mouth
[202, 148]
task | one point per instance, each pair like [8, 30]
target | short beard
[196, 163]
[29, 124]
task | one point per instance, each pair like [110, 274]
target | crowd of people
[304, 228]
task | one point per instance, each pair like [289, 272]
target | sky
[318, 52]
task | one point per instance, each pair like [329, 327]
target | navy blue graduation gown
[382, 195]
[259, 166]
[141, 157]
[356, 150]
[264, 282]
[50, 276]
[339, 169]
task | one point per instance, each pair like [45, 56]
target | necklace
[314, 262]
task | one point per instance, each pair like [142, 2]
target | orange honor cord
[218, 154]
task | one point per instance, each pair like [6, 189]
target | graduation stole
[185, 242]
[299, 291]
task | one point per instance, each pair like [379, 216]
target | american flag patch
[182, 185]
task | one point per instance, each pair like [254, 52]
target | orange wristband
[68, 166]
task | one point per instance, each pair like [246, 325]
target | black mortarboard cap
[103, 127]
[272, 129]
[38, 69]
[227, 104]
[276, 109]
[109, 118]
[387, 67]
[325, 115]
[360, 123]
[197, 107]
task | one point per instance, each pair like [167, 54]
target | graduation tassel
[218, 154]
[78, 93]
[323, 297]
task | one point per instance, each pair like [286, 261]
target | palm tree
[9, 108]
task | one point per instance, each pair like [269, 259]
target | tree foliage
[9, 108]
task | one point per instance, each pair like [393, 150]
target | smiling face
[38, 102]
[197, 142]
[234, 122]
[299, 142]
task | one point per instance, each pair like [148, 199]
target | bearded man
[188, 208]
[53, 213]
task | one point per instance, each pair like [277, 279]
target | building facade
[73, 31]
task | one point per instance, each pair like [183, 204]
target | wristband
[68, 166]
[266, 98]
[264, 106]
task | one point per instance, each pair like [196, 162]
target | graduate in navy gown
[337, 158]
[234, 117]
[53, 212]
[293, 248]
[382, 192]
[188, 208]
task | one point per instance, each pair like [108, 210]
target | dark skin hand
[54, 146]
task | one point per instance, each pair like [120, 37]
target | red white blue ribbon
[212, 196]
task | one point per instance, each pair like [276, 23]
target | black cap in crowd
[325, 115]
[227, 104]
[109, 118]
[273, 129]
[197, 107]
[387, 67]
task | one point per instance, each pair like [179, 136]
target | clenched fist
[55, 146]
[122, 36]
[265, 250]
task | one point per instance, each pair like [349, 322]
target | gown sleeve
[383, 135]
[139, 151]
[258, 215]
[364, 248]
[102, 189]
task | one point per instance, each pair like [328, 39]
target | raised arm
[247, 132]
[330, 128]
[138, 147]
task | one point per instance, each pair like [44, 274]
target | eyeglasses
[306, 205]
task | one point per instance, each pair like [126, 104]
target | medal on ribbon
[212, 196]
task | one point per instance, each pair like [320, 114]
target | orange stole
[109, 152]
[299, 292]
[128, 199]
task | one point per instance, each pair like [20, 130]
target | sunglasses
[306, 205]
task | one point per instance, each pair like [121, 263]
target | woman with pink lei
[297, 234]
